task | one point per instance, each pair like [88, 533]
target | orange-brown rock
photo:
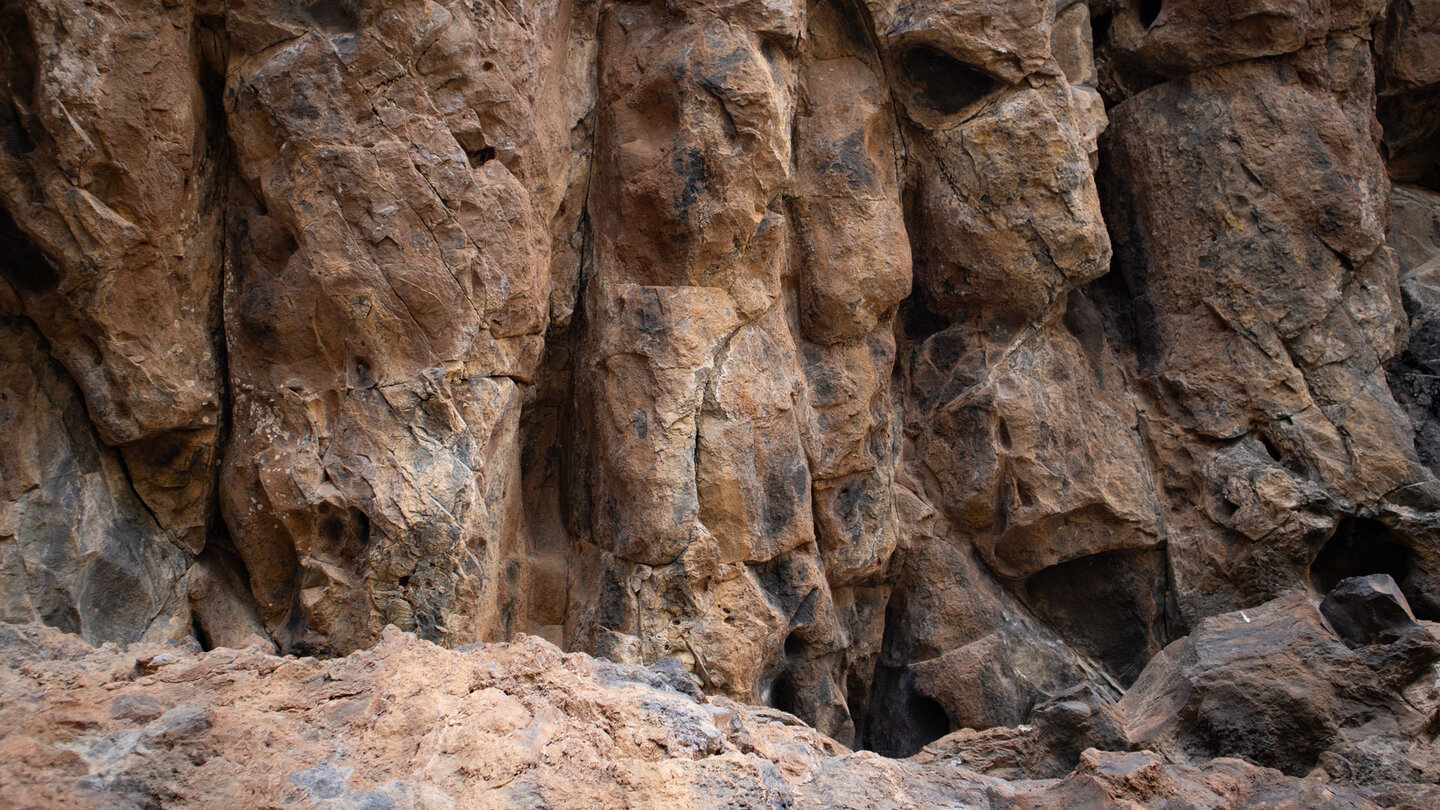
[912, 367]
[112, 229]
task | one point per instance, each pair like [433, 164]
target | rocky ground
[1341, 700]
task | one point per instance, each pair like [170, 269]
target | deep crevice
[901, 720]
[1270, 449]
[201, 637]
[897, 720]
[25, 265]
[1100, 28]
[917, 320]
[20, 54]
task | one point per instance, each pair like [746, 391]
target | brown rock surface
[113, 229]
[913, 367]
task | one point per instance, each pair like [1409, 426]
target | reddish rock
[912, 368]
[410, 725]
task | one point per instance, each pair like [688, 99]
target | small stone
[149, 664]
[180, 723]
[138, 708]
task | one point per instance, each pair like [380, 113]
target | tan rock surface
[410, 725]
[113, 230]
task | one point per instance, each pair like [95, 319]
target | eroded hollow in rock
[334, 16]
[25, 265]
[1411, 125]
[782, 694]
[901, 721]
[479, 157]
[941, 82]
[1110, 605]
[1149, 10]
[1363, 546]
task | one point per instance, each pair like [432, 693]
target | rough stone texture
[387, 287]
[1415, 374]
[1216, 693]
[78, 551]
[1368, 610]
[112, 230]
[909, 366]
[411, 725]
[1409, 90]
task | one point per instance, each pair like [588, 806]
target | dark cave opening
[794, 646]
[1363, 546]
[1359, 546]
[1110, 605]
[782, 694]
[901, 720]
[1149, 10]
[941, 82]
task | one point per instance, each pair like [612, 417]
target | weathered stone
[1261, 273]
[1144, 779]
[1368, 610]
[1408, 86]
[112, 229]
[1409, 37]
[1216, 693]
[780, 342]
[385, 302]
[179, 724]
[223, 609]
[410, 725]
[140, 708]
[1415, 374]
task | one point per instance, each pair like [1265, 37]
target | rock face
[907, 367]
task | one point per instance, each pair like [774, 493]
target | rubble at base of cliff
[1268, 707]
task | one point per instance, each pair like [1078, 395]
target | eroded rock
[912, 368]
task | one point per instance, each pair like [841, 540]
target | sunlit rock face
[902, 365]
